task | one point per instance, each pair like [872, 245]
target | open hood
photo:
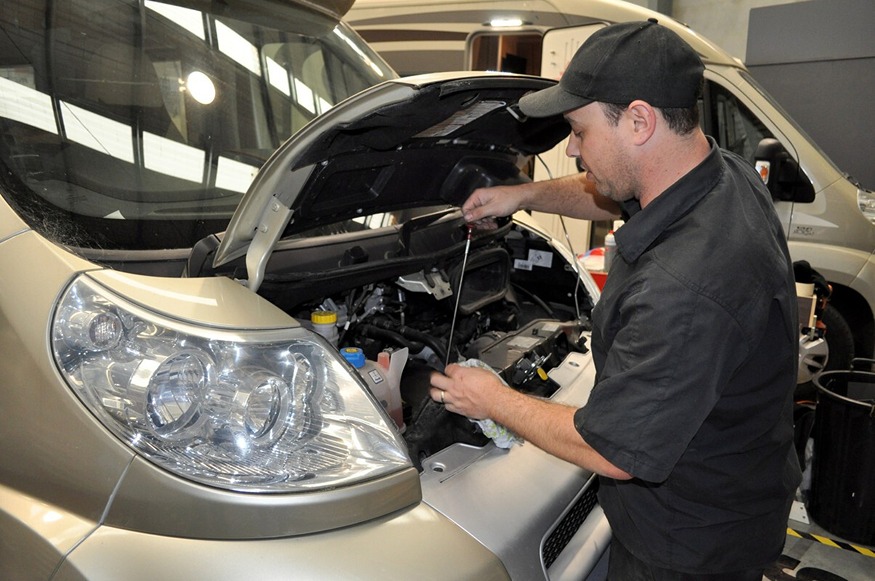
[405, 143]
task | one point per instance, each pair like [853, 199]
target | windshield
[133, 124]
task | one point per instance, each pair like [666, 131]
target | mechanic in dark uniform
[695, 336]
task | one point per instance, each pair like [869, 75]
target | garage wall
[723, 21]
[817, 58]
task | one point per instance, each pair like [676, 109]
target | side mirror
[781, 174]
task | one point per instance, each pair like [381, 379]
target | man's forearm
[572, 196]
[550, 426]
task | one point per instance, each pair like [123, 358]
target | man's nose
[571, 149]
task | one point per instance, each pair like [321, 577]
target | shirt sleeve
[671, 351]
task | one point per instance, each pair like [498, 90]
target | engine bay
[522, 308]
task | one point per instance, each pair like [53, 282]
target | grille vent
[567, 527]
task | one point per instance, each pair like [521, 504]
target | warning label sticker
[461, 118]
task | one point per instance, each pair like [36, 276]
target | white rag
[500, 435]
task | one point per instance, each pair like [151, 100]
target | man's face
[601, 149]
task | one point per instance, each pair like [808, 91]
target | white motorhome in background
[828, 218]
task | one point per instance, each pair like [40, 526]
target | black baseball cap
[621, 63]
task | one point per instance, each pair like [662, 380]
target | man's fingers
[440, 381]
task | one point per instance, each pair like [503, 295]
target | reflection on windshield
[142, 127]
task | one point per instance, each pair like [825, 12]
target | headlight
[272, 411]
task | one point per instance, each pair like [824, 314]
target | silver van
[829, 219]
[225, 227]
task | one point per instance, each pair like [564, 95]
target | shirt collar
[646, 224]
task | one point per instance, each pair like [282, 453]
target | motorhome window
[733, 125]
[518, 52]
[131, 124]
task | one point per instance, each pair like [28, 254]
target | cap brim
[551, 101]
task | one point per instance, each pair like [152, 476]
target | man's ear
[643, 118]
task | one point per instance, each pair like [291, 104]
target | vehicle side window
[732, 124]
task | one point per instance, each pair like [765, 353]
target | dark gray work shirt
[695, 345]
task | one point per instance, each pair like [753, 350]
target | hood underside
[405, 143]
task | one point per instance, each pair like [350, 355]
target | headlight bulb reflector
[93, 331]
[174, 393]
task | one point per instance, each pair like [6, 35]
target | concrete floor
[818, 555]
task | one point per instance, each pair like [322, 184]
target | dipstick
[458, 295]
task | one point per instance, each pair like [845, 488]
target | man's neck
[670, 159]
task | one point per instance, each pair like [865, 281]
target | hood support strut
[271, 226]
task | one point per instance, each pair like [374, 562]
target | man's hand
[469, 391]
[484, 205]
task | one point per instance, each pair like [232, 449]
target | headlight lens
[866, 201]
[247, 411]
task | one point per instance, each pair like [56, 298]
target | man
[694, 339]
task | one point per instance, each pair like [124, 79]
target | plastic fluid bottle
[325, 323]
[393, 364]
[610, 250]
[377, 380]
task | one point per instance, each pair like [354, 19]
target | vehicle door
[737, 129]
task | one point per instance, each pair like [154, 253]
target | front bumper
[486, 514]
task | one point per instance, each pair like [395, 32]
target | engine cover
[524, 357]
